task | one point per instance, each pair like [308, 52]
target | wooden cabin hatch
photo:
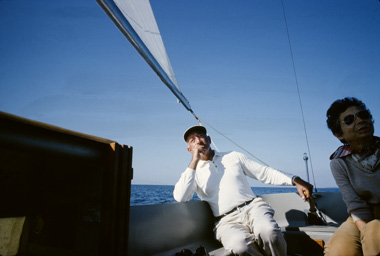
[73, 189]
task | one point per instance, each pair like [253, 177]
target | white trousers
[251, 230]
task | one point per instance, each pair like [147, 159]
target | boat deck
[165, 229]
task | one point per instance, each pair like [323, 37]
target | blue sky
[65, 63]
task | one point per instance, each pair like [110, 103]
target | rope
[298, 91]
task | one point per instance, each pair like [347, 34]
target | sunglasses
[349, 119]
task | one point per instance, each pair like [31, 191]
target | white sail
[140, 15]
[136, 20]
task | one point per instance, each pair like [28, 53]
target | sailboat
[68, 193]
[305, 227]
[92, 216]
[187, 225]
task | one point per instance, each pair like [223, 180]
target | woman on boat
[356, 170]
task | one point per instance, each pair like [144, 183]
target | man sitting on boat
[356, 170]
[245, 223]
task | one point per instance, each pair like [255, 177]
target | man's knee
[237, 245]
[269, 234]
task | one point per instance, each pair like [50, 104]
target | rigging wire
[300, 103]
[200, 122]
[298, 91]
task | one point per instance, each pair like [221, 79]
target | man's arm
[304, 188]
[272, 176]
[185, 187]
[196, 156]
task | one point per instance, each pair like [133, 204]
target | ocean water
[159, 194]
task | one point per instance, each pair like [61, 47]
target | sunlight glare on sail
[140, 15]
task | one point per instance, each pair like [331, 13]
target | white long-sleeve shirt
[223, 182]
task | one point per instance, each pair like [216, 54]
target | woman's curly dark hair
[338, 107]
